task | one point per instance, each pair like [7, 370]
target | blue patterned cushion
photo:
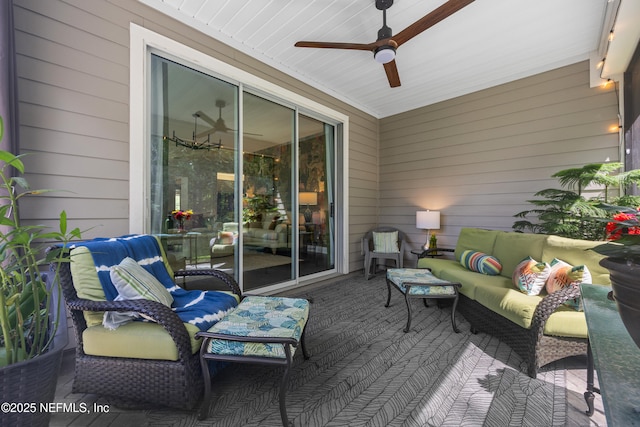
[422, 282]
[480, 262]
[258, 316]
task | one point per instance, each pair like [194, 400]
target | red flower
[615, 230]
[180, 214]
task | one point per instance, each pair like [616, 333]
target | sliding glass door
[238, 181]
[267, 206]
[193, 166]
[316, 195]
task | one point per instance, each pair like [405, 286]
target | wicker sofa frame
[130, 382]
[531, 344]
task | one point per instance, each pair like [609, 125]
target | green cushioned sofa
[540, 328]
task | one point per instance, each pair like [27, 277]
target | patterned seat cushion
[258, 316]
[421, 280]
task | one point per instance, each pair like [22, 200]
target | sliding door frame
[142, 43]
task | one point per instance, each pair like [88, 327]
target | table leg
[588, 395]
[406, 298]
[388, 293]
[453, 315]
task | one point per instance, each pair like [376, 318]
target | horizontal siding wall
[480, 157]
[73, 68]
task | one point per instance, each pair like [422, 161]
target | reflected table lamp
[309, 198]
[428, 220]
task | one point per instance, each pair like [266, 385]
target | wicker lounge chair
[130, 381]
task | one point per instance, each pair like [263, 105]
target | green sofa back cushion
[511, 248]
[475, 239]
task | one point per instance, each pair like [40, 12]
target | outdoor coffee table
[421, 283]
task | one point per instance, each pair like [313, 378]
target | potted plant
[30, 310]
[622, 251]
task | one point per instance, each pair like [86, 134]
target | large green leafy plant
[28, 316]
[567, 212]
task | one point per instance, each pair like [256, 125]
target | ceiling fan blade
[206, 118]
[392, 73]
[205, 133]
[330, 45]
[429, 20]
[212, 131]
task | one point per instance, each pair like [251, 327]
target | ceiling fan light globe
[384, 54]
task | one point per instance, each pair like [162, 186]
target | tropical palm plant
[567, 212]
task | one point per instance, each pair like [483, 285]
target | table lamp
[428, 220]
[309, 198]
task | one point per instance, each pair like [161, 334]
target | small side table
[616, 357]
[431, 253]
[421, 283]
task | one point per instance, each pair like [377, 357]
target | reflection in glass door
[193, 161]
[316, 193]
[238, 182]
[267, 199]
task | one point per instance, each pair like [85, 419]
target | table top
[420, 281]
[430, 252]
[616, 357]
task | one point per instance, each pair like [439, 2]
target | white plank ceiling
[487, 43]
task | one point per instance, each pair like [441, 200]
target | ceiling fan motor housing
[383, 4]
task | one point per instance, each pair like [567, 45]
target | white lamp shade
[308, 198]
[428, 220]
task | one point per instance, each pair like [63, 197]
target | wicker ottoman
[420, 283]
[263, 330]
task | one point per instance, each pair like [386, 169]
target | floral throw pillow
[530, 276]
[563, 275]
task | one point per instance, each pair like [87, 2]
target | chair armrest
[548, 306]
[403, 247]
[162, 314]
[364, 246]
[220, 275]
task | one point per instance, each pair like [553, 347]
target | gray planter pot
[26, 386]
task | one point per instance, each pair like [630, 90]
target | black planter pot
[625, 282]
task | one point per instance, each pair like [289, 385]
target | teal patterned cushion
[422, 282]
[258, 316]
[385, 242]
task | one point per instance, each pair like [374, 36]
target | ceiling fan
[384, 48]
[217, 125]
